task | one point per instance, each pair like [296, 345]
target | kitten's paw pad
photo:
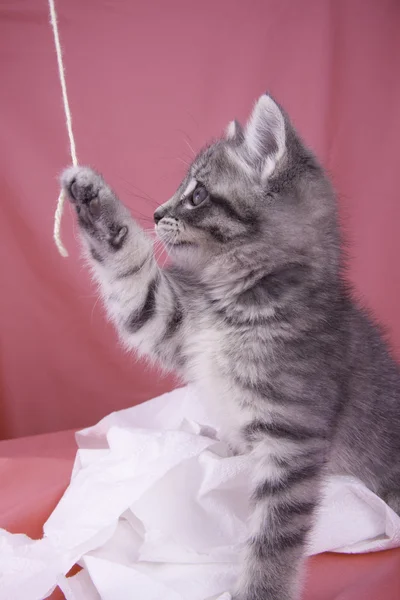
[82, 185]
[95, 204]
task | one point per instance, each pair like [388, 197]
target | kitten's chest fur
[217, 356]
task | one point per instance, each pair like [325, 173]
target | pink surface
[147, 80]
[35, 471]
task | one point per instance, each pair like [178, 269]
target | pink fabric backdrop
[147, 81]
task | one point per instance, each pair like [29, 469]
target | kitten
[256, 312]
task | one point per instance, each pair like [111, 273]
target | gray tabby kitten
[256, 312]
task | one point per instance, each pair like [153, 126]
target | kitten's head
[256, 193]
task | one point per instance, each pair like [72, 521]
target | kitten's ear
[234, 132]
[264, 135]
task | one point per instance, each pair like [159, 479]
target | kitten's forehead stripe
[189, 188]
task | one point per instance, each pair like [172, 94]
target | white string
[68, 121]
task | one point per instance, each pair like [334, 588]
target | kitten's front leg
[287, 476]
[139, 297]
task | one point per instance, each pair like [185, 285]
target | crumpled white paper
[157, 510]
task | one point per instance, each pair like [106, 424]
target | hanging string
[68, 121]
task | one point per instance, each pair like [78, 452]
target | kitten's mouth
[171, 238]
[182, 244]
[179, 246]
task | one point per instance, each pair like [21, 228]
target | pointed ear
[234, 132]
[264, 135]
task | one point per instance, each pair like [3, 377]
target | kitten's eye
[199, 195]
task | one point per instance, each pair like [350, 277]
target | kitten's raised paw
[98, 209]
[82, 184]
[83, 187]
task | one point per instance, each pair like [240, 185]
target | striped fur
[255, 311]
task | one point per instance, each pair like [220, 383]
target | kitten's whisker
[93, 309]
[168, 246]
[190, 147]
[146, 196]
[183, 161]
[185, 139]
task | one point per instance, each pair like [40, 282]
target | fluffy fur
[256, 312]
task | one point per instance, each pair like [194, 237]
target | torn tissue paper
[157, 509]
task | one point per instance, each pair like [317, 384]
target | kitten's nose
[159, 214]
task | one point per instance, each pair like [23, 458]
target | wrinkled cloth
[158, 508]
